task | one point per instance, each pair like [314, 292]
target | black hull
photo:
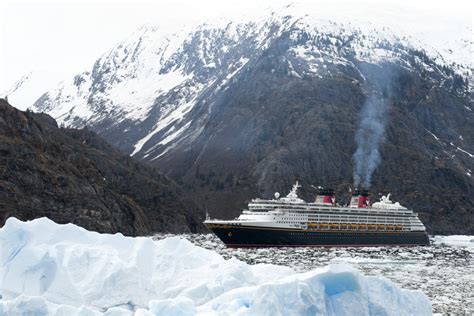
[241, 236]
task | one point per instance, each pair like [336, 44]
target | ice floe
[455, 240]
[53, 269]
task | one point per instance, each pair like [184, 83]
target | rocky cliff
[72, 175]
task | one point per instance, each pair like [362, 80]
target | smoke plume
[369, 136]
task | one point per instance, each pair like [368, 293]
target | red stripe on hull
[317, 246]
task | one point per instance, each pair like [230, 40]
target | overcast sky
[66, 37]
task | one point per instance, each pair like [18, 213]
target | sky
[68, 36]
[62, 38]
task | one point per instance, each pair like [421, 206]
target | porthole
[229, 234]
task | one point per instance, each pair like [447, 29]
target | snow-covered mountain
[24, 92]
[248, 104]
[145, 86]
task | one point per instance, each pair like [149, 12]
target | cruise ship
[291, 222]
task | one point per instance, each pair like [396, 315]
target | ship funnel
[360, 198]
[325, 196]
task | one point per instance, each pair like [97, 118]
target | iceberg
[53, 269]
[454, 241]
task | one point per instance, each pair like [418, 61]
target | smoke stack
[359, 198]
[325, 196]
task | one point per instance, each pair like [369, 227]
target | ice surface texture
[54, 269]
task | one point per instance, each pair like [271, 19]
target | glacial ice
[53, 269]
[454, 240]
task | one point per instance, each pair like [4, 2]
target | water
[445, 273]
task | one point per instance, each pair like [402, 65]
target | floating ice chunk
[336, 290]
[454, 240]
[54, 269]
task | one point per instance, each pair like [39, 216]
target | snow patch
[434, 136]
[174, 116]
[467, 153]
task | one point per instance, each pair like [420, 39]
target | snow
[169, 138]
[158, 74]
[292, 70]
[467, 153]
[238, 67]
[55, 269]
[71, 100]
[434, 136]
[131, 79]
[29, 88]
[144, 91]
[169, 118]
[440, 34]
[461, 150]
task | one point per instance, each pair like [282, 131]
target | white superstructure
[293, 212]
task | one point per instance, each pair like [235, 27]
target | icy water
[444, 271]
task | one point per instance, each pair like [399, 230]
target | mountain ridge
[224, 111]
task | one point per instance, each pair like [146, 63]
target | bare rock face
[74, 176]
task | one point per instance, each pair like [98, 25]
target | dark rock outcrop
[74, 176]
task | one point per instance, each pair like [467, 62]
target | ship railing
[261, 203]
[237, 219]
[343, 210]
[359, 226]
[362, 222]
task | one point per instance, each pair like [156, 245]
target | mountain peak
[245, 94]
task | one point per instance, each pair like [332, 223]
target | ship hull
[245, 236]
